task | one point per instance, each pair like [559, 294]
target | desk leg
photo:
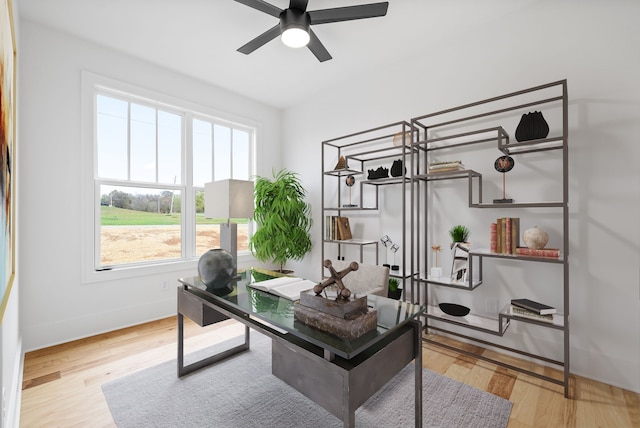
[418, 372]
[183, 370]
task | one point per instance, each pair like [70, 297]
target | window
[151, 161]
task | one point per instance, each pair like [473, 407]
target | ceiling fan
[295, 23]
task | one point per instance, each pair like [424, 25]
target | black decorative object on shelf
[397, 169]
[454, 309]
[503, 165]
[378, 173]
[532, 126]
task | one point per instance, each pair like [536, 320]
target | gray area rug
[242, 392]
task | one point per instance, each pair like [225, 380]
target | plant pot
[395, 294]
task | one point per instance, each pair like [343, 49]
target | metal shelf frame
[362, 149]
[454, 128]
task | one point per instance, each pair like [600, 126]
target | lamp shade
[228, 199]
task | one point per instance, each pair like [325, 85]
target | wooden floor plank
[62, 384]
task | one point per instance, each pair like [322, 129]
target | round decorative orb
[535, 238]
[216, 268]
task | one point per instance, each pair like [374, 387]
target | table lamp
[230, 199]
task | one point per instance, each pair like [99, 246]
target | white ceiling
[199, 38]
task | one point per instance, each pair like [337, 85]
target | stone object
[338, 308]
[347, 329]
[217, 270]
[535, 238]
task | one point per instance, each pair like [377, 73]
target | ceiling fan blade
[259, 41]
[348, 13]
[262, 6]
[317, 48]
[298, 4]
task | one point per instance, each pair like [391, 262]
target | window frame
[93, 85]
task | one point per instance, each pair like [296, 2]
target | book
[288, 287]
[515, 234]
[493, 246]
[507, 239]
[344, 230]
[545, 252]
[532, 306]
[521, 312]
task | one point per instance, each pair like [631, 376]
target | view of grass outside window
[145, 202]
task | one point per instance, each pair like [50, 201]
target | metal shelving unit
[362, 151]
[454, 131]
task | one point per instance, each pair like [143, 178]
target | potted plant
[459, 233]
[394, 292]
[460, 252]
[283, 219]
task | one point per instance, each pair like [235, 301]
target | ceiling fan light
[295, 37]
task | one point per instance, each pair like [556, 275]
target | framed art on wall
[7, 152]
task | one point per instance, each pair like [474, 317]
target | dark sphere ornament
[350, 180]
[217, 270]
[504, 164]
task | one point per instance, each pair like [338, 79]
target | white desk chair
[368, 279]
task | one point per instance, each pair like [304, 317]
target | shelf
[484, 252]
[351, 209]
[445, 281]
[488, 135]
[448, 175]
[351, 241]
[520, 205]
[399, 275]
[532, 146]
[558, 319]
[386, 181]
[477, 322]
[343, 172]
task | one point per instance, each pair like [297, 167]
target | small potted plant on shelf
[394, 292]
[459, 252]
[459, 233]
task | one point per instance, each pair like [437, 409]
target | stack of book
[505, 235]
[544, 252]
[337, 228]
[445, 166]
[530, 309]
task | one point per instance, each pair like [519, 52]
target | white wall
[56, 306]
[593, 44]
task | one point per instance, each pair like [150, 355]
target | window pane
[143, 143]
[202, 153]
[240, 155]
[138, 224]
[169, 148]
[111, 134]
[222, 152]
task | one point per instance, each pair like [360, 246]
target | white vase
[535, 238]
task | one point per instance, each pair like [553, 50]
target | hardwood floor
[61, 386]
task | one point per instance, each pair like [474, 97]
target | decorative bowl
[454, 309]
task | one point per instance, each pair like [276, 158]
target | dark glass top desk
[336, 368]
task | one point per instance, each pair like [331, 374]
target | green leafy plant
[459, 233]
[393, 284]
[283, 219]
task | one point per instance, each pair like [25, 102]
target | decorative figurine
[386, 241]
[436, 271]
[394, 249]
[336, 278]
[350, 181]
[503, 165]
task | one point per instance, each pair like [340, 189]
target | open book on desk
[286, 286]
